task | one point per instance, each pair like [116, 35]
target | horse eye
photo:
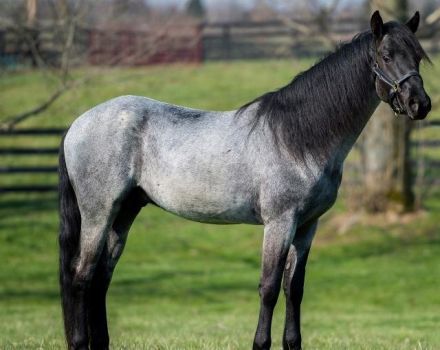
[386, 58]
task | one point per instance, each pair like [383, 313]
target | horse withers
[277, 162]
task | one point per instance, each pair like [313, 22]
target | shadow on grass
[181, 283]
[28, 294]
[20, 205]
[160, 285]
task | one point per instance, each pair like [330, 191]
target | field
[184, 285]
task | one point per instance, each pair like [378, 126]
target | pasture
[184, 285]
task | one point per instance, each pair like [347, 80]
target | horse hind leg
[116, 239]
[75, 295]
[97, 216]
[84, 227]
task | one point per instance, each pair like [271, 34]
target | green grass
[216, 86]
[185, 285]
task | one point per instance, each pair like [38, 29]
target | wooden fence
[109, 47]
[135, 48]
[52, 152]
[276, 39]
[26, 46]
[28, 152]
[189, 42]
[272, 39]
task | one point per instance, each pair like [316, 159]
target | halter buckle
[396, 86]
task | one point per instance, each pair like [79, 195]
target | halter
[395, 86]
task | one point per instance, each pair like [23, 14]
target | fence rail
[29, 152]
[40, 131]
[24, 151]
[23, 169]
[190, 42]
[28, 189]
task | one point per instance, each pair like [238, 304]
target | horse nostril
[413, 105]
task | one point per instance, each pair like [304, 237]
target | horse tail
[70, 227]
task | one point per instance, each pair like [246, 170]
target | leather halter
[395, 86]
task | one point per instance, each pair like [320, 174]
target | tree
[61, 17]
[385, 145]
[31, 11]
[195, 8]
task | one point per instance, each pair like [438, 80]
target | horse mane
[318, 105]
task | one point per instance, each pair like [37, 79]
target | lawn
[185, 285]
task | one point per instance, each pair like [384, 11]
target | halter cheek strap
[394, 84]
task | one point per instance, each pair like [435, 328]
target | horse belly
[195, 201]
[200, 187]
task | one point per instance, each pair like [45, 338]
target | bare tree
[63, 18]
[320, 16]
[155, 33]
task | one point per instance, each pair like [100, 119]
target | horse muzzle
[417, 108]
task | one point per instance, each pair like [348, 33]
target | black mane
[318, 106]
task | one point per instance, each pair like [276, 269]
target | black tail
[70, 226]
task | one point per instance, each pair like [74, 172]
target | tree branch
[433, 17]
[10, 122]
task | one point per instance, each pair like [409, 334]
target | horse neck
[349, 104]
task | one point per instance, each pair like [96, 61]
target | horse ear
[413, 23]
[376, 24]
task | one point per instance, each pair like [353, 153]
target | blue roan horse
[277, 162]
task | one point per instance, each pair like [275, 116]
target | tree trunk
[385, 146]
[31, 9]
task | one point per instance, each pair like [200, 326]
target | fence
[35, 152]
[177, 43]
[189, 42]
[273, 39]
[14, 153]
[134, 48]
[27, 46]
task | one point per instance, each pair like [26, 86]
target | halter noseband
[395, 86]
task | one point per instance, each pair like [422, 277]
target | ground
[185, 285]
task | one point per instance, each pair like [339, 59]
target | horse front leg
[294, 284]
[278, 236]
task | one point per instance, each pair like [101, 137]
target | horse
[277, 161]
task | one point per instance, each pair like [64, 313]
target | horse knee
[268, 293]
[82, 277]
[295, 292]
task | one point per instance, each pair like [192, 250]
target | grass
[185, 285]
[216, 86]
